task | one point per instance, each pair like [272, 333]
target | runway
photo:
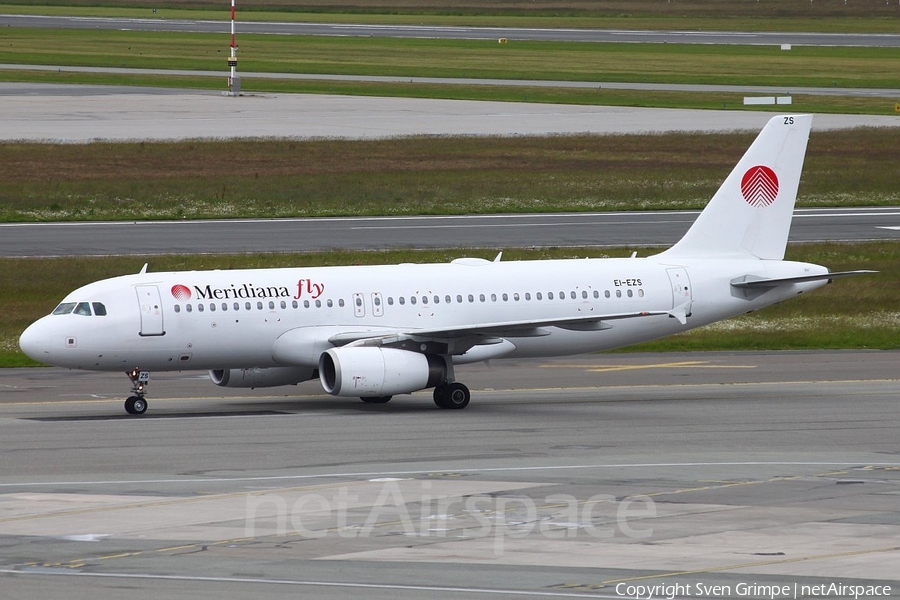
[465, 33]
[574, 477]
[614, 229]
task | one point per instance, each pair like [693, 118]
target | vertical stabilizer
[750, 215]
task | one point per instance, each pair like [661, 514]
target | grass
[660, 63]
[857, 313]
[424, 175]
[872, 16]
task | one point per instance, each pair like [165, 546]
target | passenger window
[538, 296]
[424, 299]
[584, 294]
[458, 299]
[493, 297]
[630, 293]
[640, 293]
[390, 300]
[247, 306]
[549, 295]
[283, 305]
[225, 306]
[178, 308]
[471, 298]
[481, 297]
[376, 301]
[318, 304]
[259, 306]
[573, 295]
[341, 302]
[506, 297]
[330, 303]
[401, 300]
[412, 299]
[516, 297]
[212, 307]
[99, 309]
[83, 309]
[199, 308]
[618, 293]
[271, 305]
[306, 304]
[237, 306]
[189, 308]
[596, 294]
[527, 296]
[606, 293]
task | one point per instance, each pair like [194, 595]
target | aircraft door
[151, 310]
[681, 288]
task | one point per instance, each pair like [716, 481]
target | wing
[459, 339]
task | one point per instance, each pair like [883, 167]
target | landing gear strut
[136, 404]
[451, 396]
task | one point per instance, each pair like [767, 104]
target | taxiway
[564, 478]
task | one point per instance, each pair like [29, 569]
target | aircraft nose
[35, 342]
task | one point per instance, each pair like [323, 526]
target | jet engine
[377, 372]
[261, 377]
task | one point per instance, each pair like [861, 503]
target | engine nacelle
[372, 372]
[261, 377]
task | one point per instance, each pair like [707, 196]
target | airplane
[374, 332]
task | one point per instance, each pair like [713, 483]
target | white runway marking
[372, 474]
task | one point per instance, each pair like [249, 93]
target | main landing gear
[451, 396]
[136, 404]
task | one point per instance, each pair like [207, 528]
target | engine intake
[373, 372]
[261, 377]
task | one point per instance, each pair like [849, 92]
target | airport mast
[234, 82]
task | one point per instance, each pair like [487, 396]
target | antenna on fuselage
[144, 268]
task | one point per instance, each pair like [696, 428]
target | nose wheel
[136, 404]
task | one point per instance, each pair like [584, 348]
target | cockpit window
[81, 308]
[64, 308]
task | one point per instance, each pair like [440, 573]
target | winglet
[750, 215]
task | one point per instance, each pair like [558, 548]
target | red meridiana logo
[759, 186]
[181, 292]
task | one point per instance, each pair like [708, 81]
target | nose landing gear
[136, 404]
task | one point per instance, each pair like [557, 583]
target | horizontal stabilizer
[751, 281]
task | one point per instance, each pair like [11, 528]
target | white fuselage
[288, 317]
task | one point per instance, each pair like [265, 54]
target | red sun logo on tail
[759, 186]
[181, 292]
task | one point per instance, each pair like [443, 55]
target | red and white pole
[232, 61]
